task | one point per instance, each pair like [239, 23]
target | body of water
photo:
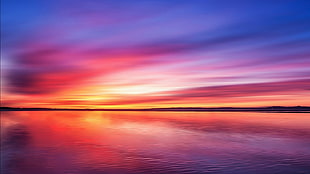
[100, 142]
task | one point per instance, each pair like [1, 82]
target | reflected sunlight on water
[98, 142]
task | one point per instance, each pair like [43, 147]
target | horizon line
[266, 108]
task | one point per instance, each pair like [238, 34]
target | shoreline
[268, 109]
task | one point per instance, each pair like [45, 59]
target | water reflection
[53, 142]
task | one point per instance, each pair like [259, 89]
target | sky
[155, 53]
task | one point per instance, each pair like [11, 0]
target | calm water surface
[93, 142]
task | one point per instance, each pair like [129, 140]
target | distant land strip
[281, 109]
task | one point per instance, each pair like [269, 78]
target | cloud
[209, 94]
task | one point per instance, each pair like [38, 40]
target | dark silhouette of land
[293, 109]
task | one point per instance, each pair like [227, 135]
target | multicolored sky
[155, 53]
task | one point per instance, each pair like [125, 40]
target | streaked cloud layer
[102, 54]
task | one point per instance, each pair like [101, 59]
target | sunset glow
[145, 54]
